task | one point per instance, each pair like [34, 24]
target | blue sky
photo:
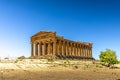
[96, 21]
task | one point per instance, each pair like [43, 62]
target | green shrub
[6, 58]
[21, 57]
[108, 56]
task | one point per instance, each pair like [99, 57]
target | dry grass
[42, 69]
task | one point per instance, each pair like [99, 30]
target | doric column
[51, 47]
[82, 50]
[74, 49]
[45, 53]
[66, 48]
[49, 50]
[36, 50]
[63, 48]
[54, 48]
[78, 50]
[85, 51]
[40, 49]
[71, 48]
[32, 49]
[59, 46]
[90, 51]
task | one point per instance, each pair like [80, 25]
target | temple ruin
[45, 44]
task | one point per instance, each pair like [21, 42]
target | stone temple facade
[45, 44]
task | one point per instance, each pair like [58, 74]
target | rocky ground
[43, 69]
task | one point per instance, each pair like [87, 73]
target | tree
[108, 56]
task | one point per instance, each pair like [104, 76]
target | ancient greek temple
[44, 44]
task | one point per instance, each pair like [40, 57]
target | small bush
[6, 58]
[76, 67]
[16, 61]
[21, 57]
[50, 60]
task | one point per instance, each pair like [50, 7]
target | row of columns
[60, 47]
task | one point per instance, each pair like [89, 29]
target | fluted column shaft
[78, 50]
[81, 50]
[36, 50]
[45, 53]
[40, 49]
[32, 50]
[87, 52]
[74, 49]
[49, 50]
[71, 49]
[63, 48]
[91, 52]
[54, 48]
[66, 48]
[59, 46]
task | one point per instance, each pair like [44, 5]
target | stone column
[36, 50]
[85, 51]
[45, 53]
[66, 48]
[32, 50]
[74, 49]
[60, 47]
[40, 49]
[90, 51]
[78, 50]
[49, 50]
[82, 50]
[63, 48]
[54, 47]
[71, 48]
[57, 47]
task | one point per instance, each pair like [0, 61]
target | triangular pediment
[43, 33]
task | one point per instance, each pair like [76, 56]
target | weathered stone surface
[48, 43]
